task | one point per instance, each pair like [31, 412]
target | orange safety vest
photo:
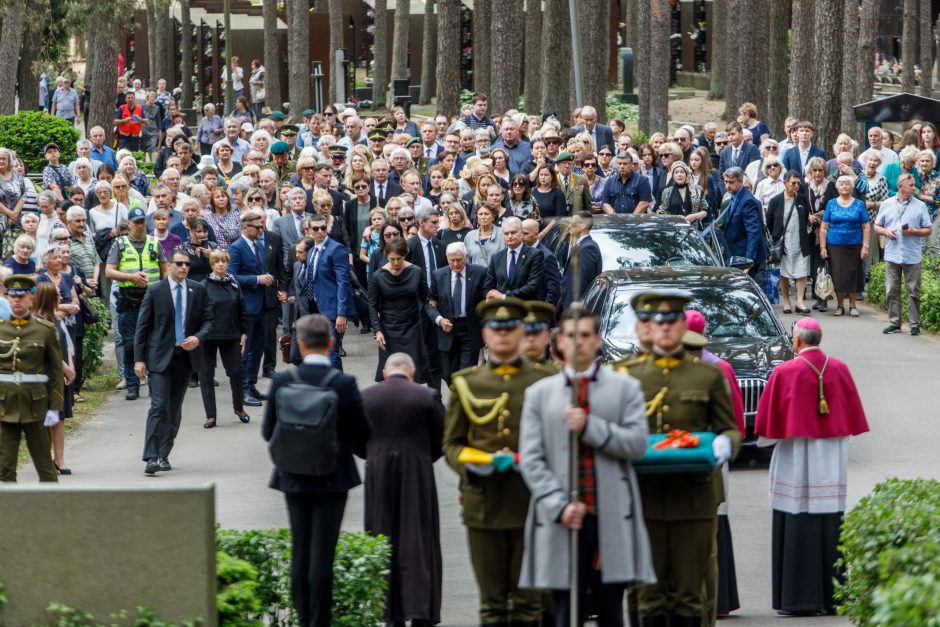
[130, 128]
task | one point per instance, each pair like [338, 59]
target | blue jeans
[127, 326]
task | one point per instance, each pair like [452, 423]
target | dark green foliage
[929, 292]
[910, 600]
[237, 599]
[268, 551]
[95, 334]
[28, 132]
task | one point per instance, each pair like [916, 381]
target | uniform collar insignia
[19, 322]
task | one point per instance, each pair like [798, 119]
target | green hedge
[28, 132]
[929, 293]
[891, 555]
[95, 335]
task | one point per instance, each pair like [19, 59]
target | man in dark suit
[550, 288]
[289, 226]
[600, 134]
[274, 296]
[322, 175]
[738, 153]
[382, 188]
[427, 252]
[248, 264]
[590, 264]
[744, 227]
[175, 318]
[515, 271]
[798, 156]
[315, 504]
[452, 302]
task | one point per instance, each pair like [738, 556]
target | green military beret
[661, 305]
[287, 129]
[694, 341]
[540, 316]
[337, 150]
[411, 142]
[377, 134]
[505, 313]
[308, 113]
[19, 284]
[280, 148]
[564, 155]
[277, 116]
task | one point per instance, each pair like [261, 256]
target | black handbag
[776, 248]
[89, 313]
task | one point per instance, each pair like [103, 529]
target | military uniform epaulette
[42, 322]
[466, 371]
[548, 368]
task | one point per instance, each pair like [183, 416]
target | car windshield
[643, 248]
[731, 313]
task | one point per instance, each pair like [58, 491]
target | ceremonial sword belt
[22, 377]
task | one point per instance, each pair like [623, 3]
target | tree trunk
[777, 70]
[802, 59]
[659, 65]
[428, 49]
[533, 55]
[186, 64]
[10, 38]
[909, 45]
[380, 53]
[482, 48]
[163, 53]
[400, 40]
[867, 32]
[298, 56]
[335, 12]
[595, 53]
[448, 57]
[151, 42]
[755, 86]
[556, 58]
[29, 56]
[506, 84]
[272, 56]
[735, 47]
[103, 76]
[827, 83]
[850, 68]
[926, 48]
[629, 16]
[643, 70]
[718, 43]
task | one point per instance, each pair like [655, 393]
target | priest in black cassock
[401, 496]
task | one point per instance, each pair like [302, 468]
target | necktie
[512, 267]
[458, 296]
[311, 272]
[429, 153]
[178, 318]
[260, 256]
[430, 257]
[565, 182]
[734, 157]
[382, 192]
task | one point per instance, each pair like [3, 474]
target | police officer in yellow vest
[483, 417]
[31, 382]
[136, 260]
[682, 392]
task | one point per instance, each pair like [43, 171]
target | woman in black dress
[457, 225]
[198, 247]
[546, 194]
[378, 258]
[397, 294]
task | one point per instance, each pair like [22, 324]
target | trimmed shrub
[909, 600]
[28, 132]
[929, 292]
[95, 335]
[237, 599]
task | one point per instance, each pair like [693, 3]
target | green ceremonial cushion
[676, 460]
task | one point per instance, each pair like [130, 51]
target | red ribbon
[677, 438]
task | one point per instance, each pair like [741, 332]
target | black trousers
[167, 390]
[230, 352]
[270, 338]
[429, 330]
[79, 363]
[606, 599]
[461, 354]
[254, 349]
[315, 520]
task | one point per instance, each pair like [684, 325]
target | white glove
[483, 470]
[52, 418]
[721, 447]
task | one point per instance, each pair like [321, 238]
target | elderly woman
[83, 175]
[137, 179]
[403, 124]
[843, 239]
[771, 184]
[595, 180]
[877, 193]
[336, 230]
[12, 199]
[682, 197]
[486, 240]
[261, 141]
[108, 213]
[821, 190]
[755, 170]
[788, 221]
[928, 176]
[225, 167]
[210, 129]
[20, 262]
[906, 164]
[125, 195]
[48, 218]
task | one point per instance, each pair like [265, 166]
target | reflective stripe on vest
[148, 263]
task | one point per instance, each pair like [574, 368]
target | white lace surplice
[809, 475]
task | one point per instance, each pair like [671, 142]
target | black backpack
[304, 441]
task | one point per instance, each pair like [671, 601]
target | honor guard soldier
[682, 392]
[537, 326]
[481, 440]
[644, 340]
[31, 382]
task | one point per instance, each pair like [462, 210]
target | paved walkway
[895, 374]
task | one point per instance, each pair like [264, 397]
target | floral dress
[11, 191]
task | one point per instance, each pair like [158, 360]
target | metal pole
[229, 93]
[573, 441]
[576, 53]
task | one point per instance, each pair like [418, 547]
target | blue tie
[259, 253]
[310, 272]
[179, 313]
[512, 267]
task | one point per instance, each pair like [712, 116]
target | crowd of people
[425, 233]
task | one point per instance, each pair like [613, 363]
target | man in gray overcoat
[613, 547]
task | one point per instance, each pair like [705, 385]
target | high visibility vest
[130, 128]
[131, 261]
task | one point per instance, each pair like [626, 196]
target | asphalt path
[896, 376]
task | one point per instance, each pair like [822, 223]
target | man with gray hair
[515, 271]
[353, 126]
[84, 253]
[601, 134]
[83, 149]
[626, 192]
[452, 301]
[426, 251]
[519, 151]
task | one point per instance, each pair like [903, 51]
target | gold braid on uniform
[655, 406]
[471, 403]
[13, 344]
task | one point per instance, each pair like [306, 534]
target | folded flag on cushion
[677, 451]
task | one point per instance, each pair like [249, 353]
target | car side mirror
[741, 263]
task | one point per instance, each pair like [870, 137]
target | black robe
[401, 496]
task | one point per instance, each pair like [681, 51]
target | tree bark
[163, 52]
[642, 71]
[400, 40]
[735, 47]
[103, 76]
[827, 84]
[448, 55]
[186, 63]
[428, 50]
[151, 11]
[11, 35]
[777, 71]
[335, 13]
[482, 46]
[533, 55]
[850, 68]
[867, 32]
[659, 65]
[629, 16]
[505, 84]
[718, 43]
[595, 53]
[909, 45]
[802, 60]
[755, 86]
[380, 53]
[298, 56]
[926, 48]
[556, 58]
[30, 55]
[272, 56]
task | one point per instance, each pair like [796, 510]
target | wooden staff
[573, 468]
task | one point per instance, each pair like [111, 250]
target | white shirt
[428, 251]
[887, 156]
[180, 199]
[463, 293]
[173, 286]
[317, 360]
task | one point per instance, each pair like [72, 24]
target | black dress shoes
[251, 401]
[268, 373]
[131, 395]
[258, 394]
[245, 418]
[152, 467]
[164, 465]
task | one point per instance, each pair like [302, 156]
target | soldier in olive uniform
[31, 382]
[538, 334]
[484, 413]
[682, 392]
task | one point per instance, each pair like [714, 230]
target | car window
[643, 248]
[731, 313]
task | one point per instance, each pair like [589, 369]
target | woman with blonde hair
[358, 169]
[261, 141]
[682, 197]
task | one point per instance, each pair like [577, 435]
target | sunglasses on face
[391, 235]
[605, 154]
[360, 187]
[181, 264]
[405, 219]
[590, 165]
[518, 184]
[721, 143]
[316, 229]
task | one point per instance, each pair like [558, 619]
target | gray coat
[617, 429]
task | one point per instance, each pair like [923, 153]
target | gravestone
[104, 549]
